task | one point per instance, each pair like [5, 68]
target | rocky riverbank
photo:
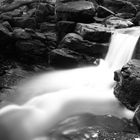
[41, 35]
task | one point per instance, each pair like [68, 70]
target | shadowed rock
[120, 6]
[76, 43]
[65, 58]
[79, 11]
[103, 12]
[127, 88]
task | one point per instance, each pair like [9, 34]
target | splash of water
[49, 98]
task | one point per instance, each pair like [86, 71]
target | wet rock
[47, 27]
[51, 40]
[24, 22]
[127, 16]
[76, 43]
[100, 2]
[136, 20]
[94, 32]
[136, 117]
[127, 88]
[89, 126]
[43, 10]
[64, 27]
[5, 37]
[65, 58]
[117, 22]
[136, 3]
[119, 6]
[5, 17]
[78, 11]
[27, 33]
[19, 33]
[31, 51]
[136, 54]
[103, 12]
[7, 25]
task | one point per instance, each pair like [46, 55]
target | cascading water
[49, 98]
[120, 50]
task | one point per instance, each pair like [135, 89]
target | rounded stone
[79, 11]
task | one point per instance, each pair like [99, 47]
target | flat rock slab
[79, 11]
[116, 22]
[127, 89]
[65, 58]
[94, 32]
[76, 43]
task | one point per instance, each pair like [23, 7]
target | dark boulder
[7, 25]
[5, 38]
[136, 118]
[136, 19]
[43, 10]
[120, 6]
[64, 27]
[31, 51]
[64, 58]
[94, 32]
[136, 3]
[27, 33]
[47, 27]
[78, 11]
[89, 126]
[51, 40]
[19, 33]
[103, 12]
[76, 43]
[24, 22]
[127, 88]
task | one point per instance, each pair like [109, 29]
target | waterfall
[120, 50]
[52, 97]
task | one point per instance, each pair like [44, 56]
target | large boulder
[79, 11]
[76, 43]
[136, 3]
[127, 88]
[103, 12]
[94, 32]
[120, 6]
[89, 126]
[64, 58]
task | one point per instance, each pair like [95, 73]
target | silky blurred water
[47, 98]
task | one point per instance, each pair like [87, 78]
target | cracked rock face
[127, 89]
